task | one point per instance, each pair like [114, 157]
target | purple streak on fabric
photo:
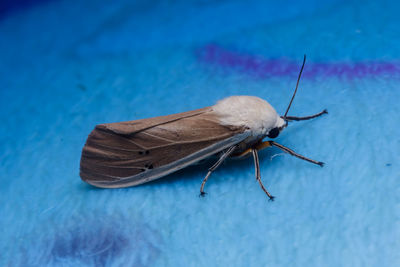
[262, 67]
[9, 6]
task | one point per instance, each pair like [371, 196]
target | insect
[135, 152]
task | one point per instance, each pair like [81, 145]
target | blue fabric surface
[66, 66]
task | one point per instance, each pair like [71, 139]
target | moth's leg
[259, 146]
[258, 175]
[244, 153]
[262, 145]
[291, 152]
[215, 166]
[292, 118]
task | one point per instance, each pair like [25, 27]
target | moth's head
[275, 131]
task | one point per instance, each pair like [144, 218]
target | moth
[135, 152]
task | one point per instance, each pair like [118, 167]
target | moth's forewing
[131, 153]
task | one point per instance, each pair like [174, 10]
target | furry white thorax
[249, 111]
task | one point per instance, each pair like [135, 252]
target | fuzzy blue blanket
[66, 66]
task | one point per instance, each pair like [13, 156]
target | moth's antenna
[297, 85]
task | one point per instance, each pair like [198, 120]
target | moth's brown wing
[131, 153]
[131, 127]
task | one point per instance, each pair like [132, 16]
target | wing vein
[125, 138]
[158, 137]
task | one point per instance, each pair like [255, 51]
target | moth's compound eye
[273, 133]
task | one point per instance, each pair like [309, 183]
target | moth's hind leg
[258, 174]
[214, 167]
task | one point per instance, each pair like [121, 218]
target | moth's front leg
[291, 152]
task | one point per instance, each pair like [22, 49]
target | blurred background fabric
[66, 66]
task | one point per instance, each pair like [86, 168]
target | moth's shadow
[198, 171]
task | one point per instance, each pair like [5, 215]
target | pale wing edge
[164, 170]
